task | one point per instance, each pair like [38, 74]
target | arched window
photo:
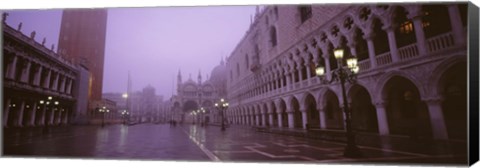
[305, 12]
[380, 40]
[273, 36]
[362, 46]
[436, 20]
[404, 32]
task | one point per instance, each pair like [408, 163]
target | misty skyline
[153, 43]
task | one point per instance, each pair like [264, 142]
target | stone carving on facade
[32, 35]
[4, 17]
[19, 26]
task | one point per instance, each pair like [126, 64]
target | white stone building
[40, 87]
[412, 78]
[192, 96]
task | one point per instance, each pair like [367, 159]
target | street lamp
[222, 106]
[125, 112]
[201, 111]
[49, 103]
[103, 110]
[124, 116]
[344, 74]
[194, 114]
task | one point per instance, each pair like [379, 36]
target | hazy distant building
[40, 86]
[195, 95]
[82, 38]
[412, 78]
[144, 105]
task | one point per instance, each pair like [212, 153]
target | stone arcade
[412, 78]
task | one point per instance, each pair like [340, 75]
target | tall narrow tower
[82, 39]
[179, 81]
[199, 78]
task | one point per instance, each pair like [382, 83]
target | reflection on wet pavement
[188, 142]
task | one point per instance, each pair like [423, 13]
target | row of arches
[377, 35]
[400, 105]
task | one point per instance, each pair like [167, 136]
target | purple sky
[153, 43]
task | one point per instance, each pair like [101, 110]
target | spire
[129, 84]
[179, 77]
[199, 77]
[221, 61]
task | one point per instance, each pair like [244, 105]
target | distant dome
[219, 74]
[218, 78]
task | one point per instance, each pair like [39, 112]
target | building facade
[412, 78]
[40, 86]
[82, 39]
[192, 96]
[146, 106]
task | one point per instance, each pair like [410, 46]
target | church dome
[219, 74]
[218, 77]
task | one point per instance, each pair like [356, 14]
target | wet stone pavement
[190, 143]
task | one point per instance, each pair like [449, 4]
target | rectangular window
[305, 13]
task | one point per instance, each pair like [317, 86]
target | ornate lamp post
[201, 111]
[222, 106]
[194, 114]
[344, 74]
[125, 113]
[103, 110]
[124, 116]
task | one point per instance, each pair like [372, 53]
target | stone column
[275, 80]
[281, 80]
[62, 84]
[19, 114]
[307, 66]
[299, 70]
[280, 119]
[392, 43]
[371, 49]
[55, 81]
[420, 35]
[69, 87]
[13, 67]
[435, 111]
[47, 78]
[456, 23]
[31, 122]
[382, 119]
[51, 116]
[304, 119]
[327, 66]
[6, 112]
[26, 72]
[65, 117]
[58, 116]
[38, 76]
[252, 119]
[270, 119]
[323, 121]
[291, 120]
[257, 120]
[288, 78]
[264, 119]
[353, 50]
[41, 118]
